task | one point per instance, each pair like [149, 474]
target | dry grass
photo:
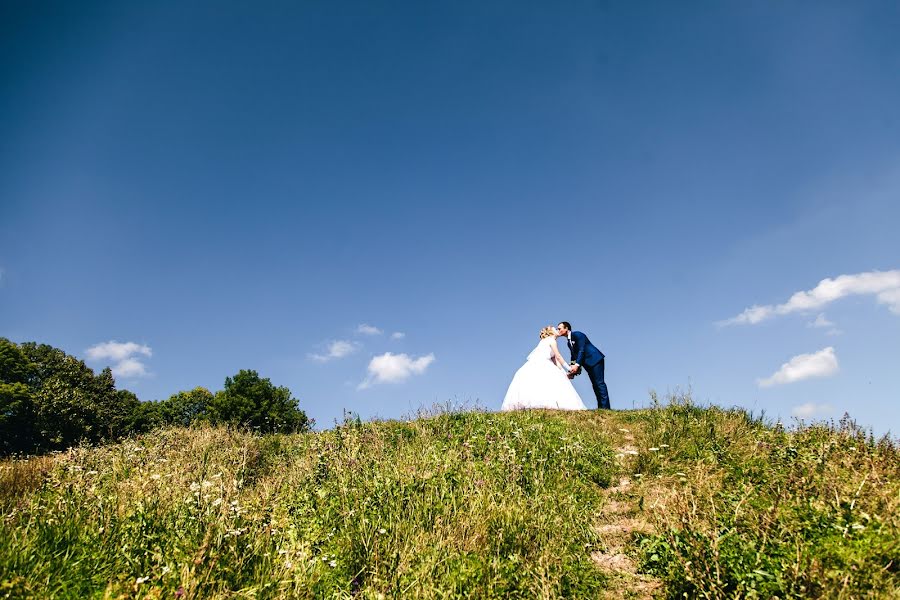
[677, 501]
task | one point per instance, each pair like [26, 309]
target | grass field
[662, 502]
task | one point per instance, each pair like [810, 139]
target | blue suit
[585, 354]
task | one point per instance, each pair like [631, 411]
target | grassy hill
[662, 502]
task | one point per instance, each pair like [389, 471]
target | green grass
[458, 505]
[748, 510]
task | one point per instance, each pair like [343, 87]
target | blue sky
[225, 186]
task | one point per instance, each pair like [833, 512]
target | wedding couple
[544, 381]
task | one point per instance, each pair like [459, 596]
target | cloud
[398, 335]
[130, 367]
[811, 409]
[336, 349]
[884, 285]
[123, 354]
[114, 350]
[395, 368]
[821, 321]
[368, 330]
[804, 366]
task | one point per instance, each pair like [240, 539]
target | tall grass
[750, 509]
[458, 505]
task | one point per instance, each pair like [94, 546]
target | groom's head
[564, 328]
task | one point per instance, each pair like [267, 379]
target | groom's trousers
[596, 375]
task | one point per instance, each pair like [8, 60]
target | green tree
[71, 404]
[251, 401]
[16, 402]
[186, 408]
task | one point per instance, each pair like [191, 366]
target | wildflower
[382, 531]
[217, 502]
[141, 580]
[332, 563]
[653, 449]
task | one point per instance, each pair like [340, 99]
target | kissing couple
[545, 380]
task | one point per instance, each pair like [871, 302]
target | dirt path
[619, 523]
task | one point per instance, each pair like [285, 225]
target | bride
[542, 381]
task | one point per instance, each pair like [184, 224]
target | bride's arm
[559, 359]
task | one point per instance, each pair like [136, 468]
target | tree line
[50, 400]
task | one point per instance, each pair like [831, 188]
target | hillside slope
[615, 504]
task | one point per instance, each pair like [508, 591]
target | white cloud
[892, 299]
[821, 321]
[368, 330]
[123, 354]
[804, 366]
[398, 335]
[114, 350]
[884, 285]
[130, 367]
[395, 368]
[336, 349]
[811, 409]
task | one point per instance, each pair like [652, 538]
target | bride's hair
[548, 331]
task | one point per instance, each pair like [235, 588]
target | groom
[586, 355]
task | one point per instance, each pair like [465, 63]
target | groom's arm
[579, 357]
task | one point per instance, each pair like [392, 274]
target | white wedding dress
[541, 383]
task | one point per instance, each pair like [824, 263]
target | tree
[16, 402]
[70, 403]
[251, 401]
[186, 408]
